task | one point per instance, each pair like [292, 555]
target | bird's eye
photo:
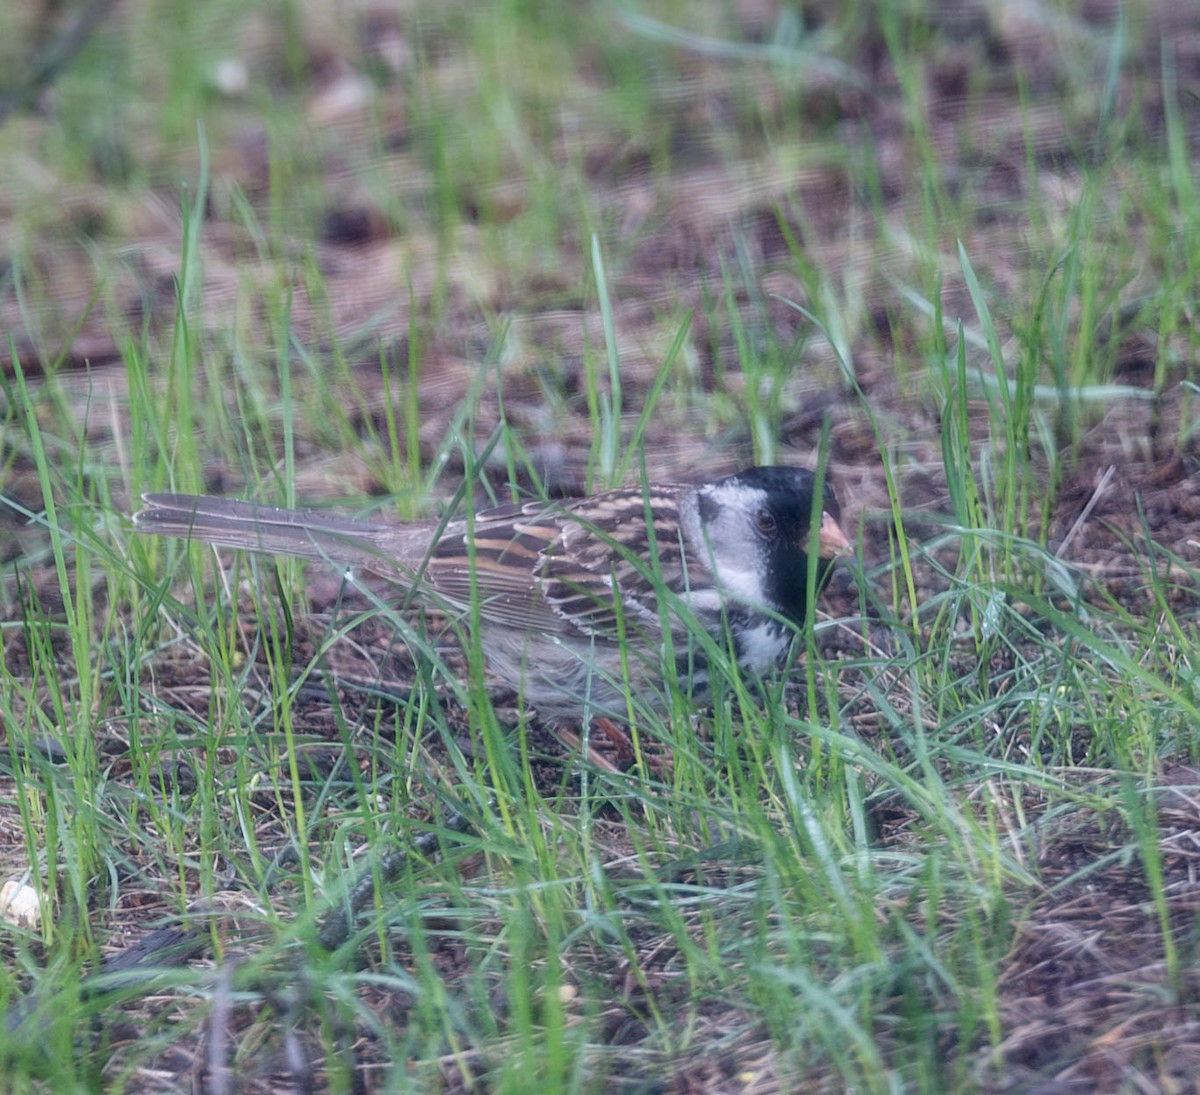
[765, 520]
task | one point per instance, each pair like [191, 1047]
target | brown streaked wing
[604, 544]
[509, 542]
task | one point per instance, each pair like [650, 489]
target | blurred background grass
[379, 254]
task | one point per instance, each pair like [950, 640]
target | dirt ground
[1084, 987]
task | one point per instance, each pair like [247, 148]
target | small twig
[1092, 502]
[55, 59]
[220, 1039]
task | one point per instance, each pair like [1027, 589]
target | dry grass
[396, 249]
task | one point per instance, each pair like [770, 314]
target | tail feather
[386, 549]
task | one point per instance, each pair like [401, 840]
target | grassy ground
[387, 256]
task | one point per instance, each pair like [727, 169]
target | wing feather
[601, 555]
[577, 568]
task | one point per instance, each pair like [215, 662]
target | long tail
[395, 552]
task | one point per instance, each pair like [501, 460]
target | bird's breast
[760, 642]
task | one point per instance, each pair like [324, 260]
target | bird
[579, 601]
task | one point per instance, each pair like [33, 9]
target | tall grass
[822, 886]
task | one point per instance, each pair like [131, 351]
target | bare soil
[1083, 990]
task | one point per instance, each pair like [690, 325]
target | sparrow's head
[758, 528]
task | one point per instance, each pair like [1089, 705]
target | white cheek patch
[742, 582]
[731, 542]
